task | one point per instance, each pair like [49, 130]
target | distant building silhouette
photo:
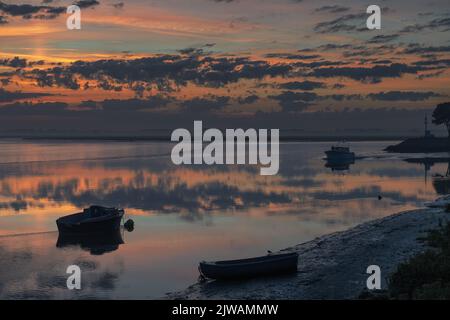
[428, 133]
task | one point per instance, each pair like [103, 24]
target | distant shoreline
[167, 139]
[421, 145]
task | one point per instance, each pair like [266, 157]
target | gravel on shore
[334, 266]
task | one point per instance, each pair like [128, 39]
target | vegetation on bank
[425, 275]
[441, 115]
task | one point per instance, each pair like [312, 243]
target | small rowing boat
[95, 219]
[272, 264]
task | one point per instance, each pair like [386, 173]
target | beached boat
[95, 219]
[339, 153]
[271, 264]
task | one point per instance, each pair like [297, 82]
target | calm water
[182, 214]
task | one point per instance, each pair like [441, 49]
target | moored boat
[95, 219]
[271, 264]
[339, 153]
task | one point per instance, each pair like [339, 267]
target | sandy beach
[334, 266]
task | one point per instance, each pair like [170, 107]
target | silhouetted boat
[339, 153]
[96, 244]
[271, 264]
[95, 219]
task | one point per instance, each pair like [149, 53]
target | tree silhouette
[441, 115]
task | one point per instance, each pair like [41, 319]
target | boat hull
[250, 268]
[339, 156]
[101, 225]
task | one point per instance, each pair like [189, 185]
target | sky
[137, 66]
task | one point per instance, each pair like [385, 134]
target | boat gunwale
[68, 220]
[251, 261]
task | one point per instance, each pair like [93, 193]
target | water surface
[183, 214]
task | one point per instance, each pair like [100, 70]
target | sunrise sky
[295, 64]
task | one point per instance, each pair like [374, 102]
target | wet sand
[334, 266]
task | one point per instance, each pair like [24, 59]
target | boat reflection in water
[339, 165]
[94, 244]
[441, 182]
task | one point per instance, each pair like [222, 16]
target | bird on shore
[380, 197]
